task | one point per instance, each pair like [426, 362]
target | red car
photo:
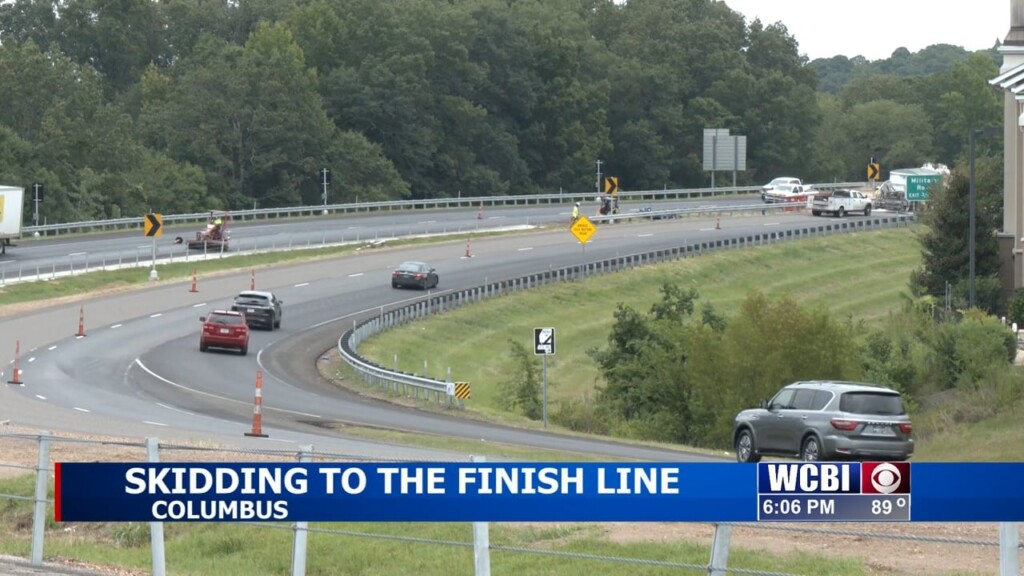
[224, 329]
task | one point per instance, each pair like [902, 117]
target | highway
[138, 371]
[33, 256]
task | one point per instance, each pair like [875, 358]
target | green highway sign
[918, 186]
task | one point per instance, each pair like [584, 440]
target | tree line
[120, 107]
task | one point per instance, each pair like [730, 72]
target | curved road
[138, 372]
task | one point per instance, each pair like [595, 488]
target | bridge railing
[441, 391]
[134, 222]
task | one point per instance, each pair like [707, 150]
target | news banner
[540, 492]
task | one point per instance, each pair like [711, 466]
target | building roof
[1012, 81]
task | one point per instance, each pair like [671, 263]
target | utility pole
[972, 210]
[325, 179]
[37, 194]
[597, 183]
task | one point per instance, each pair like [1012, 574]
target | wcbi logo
[808, 478]
[834, 478]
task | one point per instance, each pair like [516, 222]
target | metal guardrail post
[41, 493]
[156, 529]
[718, 566]
[301, 528]
[1009, 549]
[481, 541]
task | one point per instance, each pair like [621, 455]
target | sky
[875, 28]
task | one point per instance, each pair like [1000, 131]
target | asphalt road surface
[138, 372]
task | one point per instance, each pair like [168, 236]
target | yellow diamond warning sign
[583, 229]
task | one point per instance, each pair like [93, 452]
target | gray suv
[825, 420]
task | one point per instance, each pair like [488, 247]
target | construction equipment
[214, 237]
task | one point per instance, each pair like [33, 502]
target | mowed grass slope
[860, 276]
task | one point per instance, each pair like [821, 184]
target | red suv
[224, 329]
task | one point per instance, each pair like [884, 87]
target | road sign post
[544, 346]
[153, 226]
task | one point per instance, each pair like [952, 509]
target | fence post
[156, 529]
[481, 541]
[42, 491]
[301, 528]
[1009, 551]
[718, 566]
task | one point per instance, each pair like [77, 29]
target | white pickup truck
[841, 203]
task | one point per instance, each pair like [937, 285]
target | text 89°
[886, 507]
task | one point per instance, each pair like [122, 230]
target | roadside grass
[860, 277]
[344, 375]
[475, 447]
[427, 549]
[994, 439]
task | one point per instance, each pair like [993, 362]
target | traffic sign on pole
[583, 229]
[154, 225]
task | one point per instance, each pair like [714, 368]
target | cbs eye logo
[885, 478]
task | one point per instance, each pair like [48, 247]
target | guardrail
[16, 272]
[136, 222]
[411, 384]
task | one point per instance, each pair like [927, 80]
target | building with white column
[1011, 80]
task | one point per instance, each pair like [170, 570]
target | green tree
[944, 241]
[522, 390]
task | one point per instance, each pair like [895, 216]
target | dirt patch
[887, 549]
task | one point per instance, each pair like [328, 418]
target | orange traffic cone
[81, 322]
[718, 223]
[468, 255]
[16, 376]
[194, 288]
[257, 409]
[252, 280]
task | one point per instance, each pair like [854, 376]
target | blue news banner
[540, 492]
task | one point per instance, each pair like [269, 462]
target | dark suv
[826, 420]
[260, 308]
